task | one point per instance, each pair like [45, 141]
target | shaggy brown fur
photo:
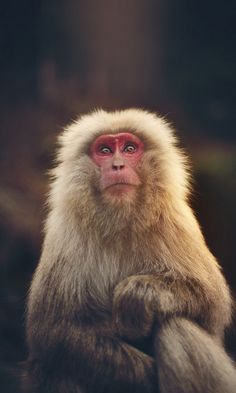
[127, 297]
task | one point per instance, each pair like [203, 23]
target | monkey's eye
[105, 150]
[130, 148]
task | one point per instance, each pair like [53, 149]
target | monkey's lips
[120, 189]
[120, 183]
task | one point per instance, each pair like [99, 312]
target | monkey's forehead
[150, 128]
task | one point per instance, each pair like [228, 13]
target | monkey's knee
[190, 361]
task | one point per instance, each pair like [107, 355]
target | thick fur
[116, 275]
[190, 361]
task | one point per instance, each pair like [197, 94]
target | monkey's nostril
[117, 167]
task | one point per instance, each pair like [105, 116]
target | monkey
[127, 297]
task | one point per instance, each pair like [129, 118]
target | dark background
[60, 58]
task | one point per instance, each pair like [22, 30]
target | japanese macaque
[127, 297]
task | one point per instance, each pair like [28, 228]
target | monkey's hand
[140, 301]
[134, 307]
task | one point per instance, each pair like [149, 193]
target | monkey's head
[124, 164]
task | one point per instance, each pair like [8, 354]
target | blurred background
[60, 58]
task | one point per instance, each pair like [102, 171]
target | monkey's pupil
[130, 148]
[105, 150]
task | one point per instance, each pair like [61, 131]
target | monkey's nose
[117, 163]
[117, 166]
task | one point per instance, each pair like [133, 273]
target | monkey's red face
[118, 156]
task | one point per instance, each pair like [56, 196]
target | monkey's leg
[89, 361]
[190, 361]
[37, 379]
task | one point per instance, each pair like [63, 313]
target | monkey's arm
[141, 300]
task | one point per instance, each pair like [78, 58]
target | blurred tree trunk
[117, 46]
[125, 48]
